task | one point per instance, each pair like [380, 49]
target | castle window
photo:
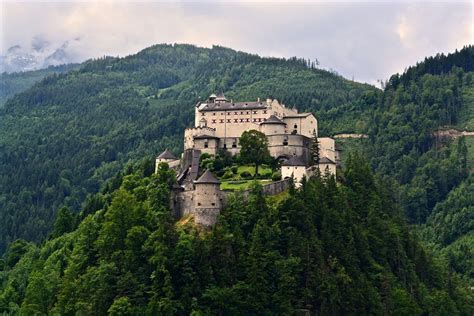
[203, 114]
[222, 121]
[242, 112]
[236, 120]
[206, 144]
[214, 113]
[296, 126]
[241, 120]
[213, 204]
[213, 121]
[248, 120]
[264, 111]
[225, 146]
[199, 204]
[228, 120]
[254, 112]
[285, 141]
[236, 113]
[248, 112]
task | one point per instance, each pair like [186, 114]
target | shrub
[220, 173]
[276, 176]
[245, 175]
[234, 169]
[227, 175]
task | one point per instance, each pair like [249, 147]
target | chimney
[258, 99]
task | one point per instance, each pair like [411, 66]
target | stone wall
[189, 134]
[183, 202]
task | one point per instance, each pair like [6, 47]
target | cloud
[364, 40]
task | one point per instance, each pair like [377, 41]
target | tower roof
[221, 96]
[273, 120]
[167, 155]
[207, 177]
[326, 160]
[294, 161]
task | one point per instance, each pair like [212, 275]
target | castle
[218, 125]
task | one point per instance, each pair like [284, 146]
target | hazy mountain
[38, 55]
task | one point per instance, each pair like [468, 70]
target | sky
[364, 41]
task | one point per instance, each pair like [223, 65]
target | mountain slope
[433, 174]
[63, 137]
[13, 83]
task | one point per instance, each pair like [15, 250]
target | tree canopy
[254, 148]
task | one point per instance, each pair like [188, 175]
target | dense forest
[13, 83]
[325, 248]
[62, 138]
[396, 241]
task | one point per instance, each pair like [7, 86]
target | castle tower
[167, 157]
[273, 126]
[207, 199]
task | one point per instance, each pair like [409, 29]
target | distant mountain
[38, 55]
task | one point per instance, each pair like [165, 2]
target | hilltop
[63, 137]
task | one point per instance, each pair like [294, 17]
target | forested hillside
[63, 137]
[326, 248]
[13, 83]
[433, 175]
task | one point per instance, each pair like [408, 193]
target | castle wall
[207, 203]
[325, 168]
[297, 172]
[302, 125]
[327, 148]
[211, 148]
[273, 129]
[190, 133]
[288, 145]
[182, 203]
[278, 109]
[234, 123]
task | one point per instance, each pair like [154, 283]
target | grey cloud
[368, 40]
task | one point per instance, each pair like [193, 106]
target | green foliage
[451, 228]
[245, 175]
[326, 248]
[13, 83]
[254, 148]
[276, 176]
[65, 222]
[403, 145]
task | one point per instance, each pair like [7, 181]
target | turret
[167, 157]
[273, 126]
[207, 199]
